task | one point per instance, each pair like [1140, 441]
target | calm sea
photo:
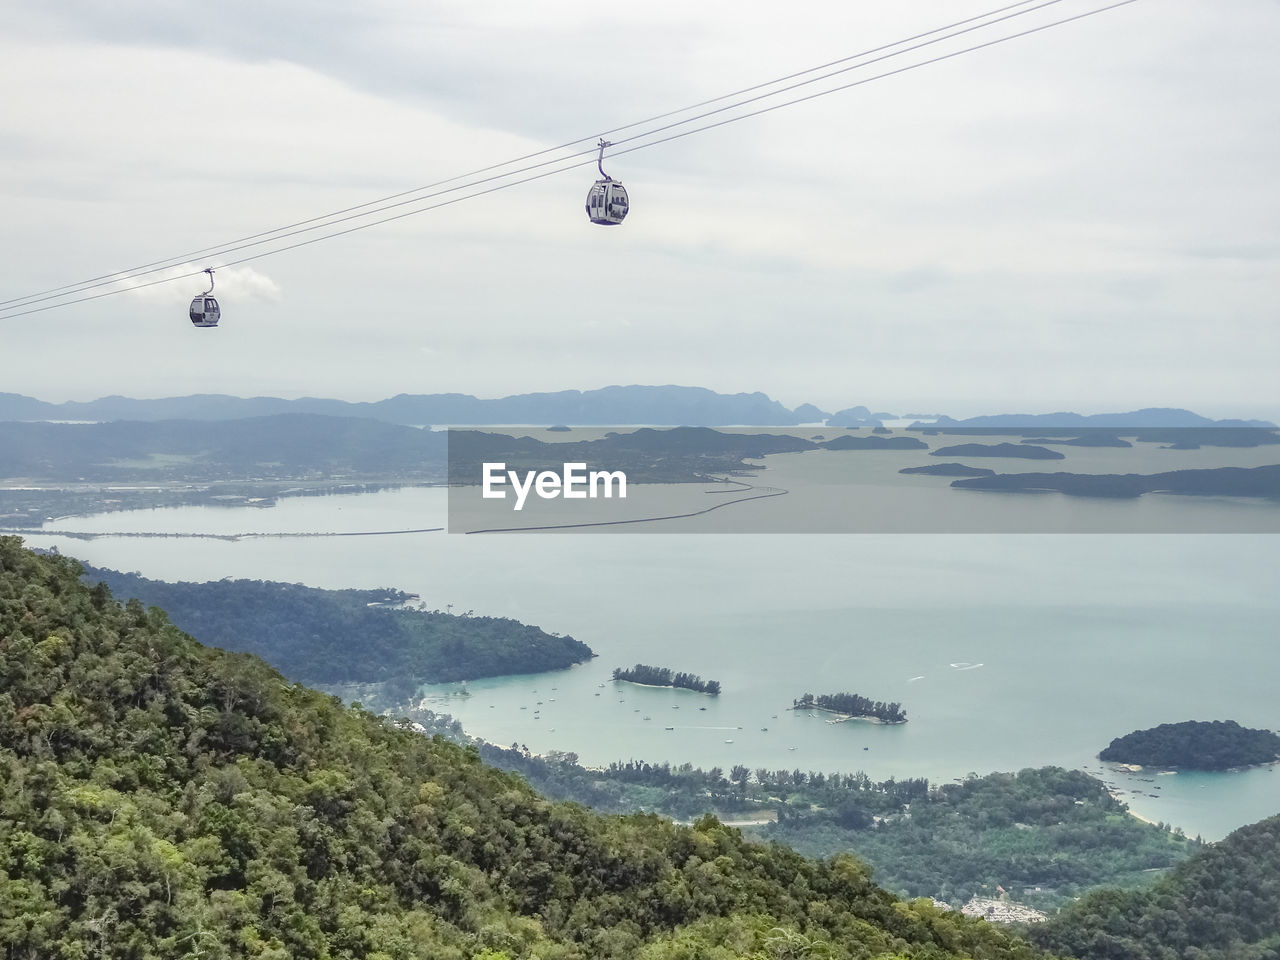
[1007, 651]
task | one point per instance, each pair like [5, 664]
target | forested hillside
[337, 637]
[1222, 904]
[161, 799]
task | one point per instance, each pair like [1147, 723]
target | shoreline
[1159, 771]
[845, 717]
[663, 686]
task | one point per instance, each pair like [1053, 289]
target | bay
[1006, 651]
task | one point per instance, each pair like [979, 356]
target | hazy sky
[1087, 218]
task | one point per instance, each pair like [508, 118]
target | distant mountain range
[656, 405]
[612, 406]
[1147, 417]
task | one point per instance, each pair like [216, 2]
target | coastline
[1138, 816]
[845, 717]
[1159, 771]
[663, 686]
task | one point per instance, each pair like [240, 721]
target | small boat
[728, 741]
[670, 728]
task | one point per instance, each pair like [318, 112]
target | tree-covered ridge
[1195, 745]
[161, 799]
[852, 705]
[666, 677]
[349, 636]
[1222, 904]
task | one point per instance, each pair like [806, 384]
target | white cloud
[177, 285]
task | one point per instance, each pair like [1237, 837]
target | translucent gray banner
[921, 479]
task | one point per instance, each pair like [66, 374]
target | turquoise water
[1006, 650]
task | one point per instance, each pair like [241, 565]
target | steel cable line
[879, 76]
[8, 308]
[329, 220]
[153, 266]
[576, 164]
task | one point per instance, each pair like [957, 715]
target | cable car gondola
[607, 200]
[204, 308]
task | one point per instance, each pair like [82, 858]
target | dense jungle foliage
[162, 799]
[1222, 904]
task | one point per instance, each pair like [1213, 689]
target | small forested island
[665, 677]
[1020, 451]
[949, 470]
[876, 443]
[1195, 745]
[851, 706]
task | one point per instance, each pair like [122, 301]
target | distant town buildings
[1002, 911]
